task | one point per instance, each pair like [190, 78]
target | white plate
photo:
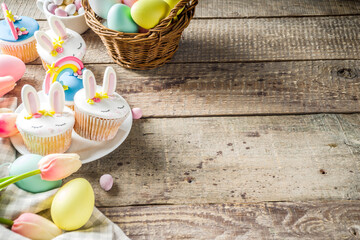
[88, 150]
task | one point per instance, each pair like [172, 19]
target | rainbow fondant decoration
[9, 18]
[68, 71]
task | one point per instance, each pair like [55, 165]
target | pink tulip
[58, 166]
[7, 83]
[35, 227]
[7, 124]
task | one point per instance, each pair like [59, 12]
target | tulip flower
[7, 124]
[33, 226]
[52, 167]
[7, 83]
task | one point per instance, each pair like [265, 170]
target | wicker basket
[144, 50]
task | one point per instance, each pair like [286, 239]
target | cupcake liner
[26, 52]
[44, 64]
[47, 145]
[95, 128]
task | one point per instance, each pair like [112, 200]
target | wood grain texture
[236, 8]
[232, 88]
[279, 220]
[232, 159]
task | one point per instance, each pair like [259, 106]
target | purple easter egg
[61, 13]
[51, 8]
[106, 182]
[137, 113]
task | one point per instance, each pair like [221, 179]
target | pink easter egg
[11, 66]
[137, 113]
[106, 182]
[51, 8]
[78, 4]
[60, 12]
[129, 2]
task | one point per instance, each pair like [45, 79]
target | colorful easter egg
[73, 204]
[102, 7]
[34, 184]
[77, 4]
[52, 7]
[172, 4]
[70, 9]
[148, 13]
[11, 66]
[119, 19]
[60, 12]
[129, 3]
[106, 182]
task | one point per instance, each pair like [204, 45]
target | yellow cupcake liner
[47, 145]
[26, 52]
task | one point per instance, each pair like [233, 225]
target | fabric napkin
[14, 201]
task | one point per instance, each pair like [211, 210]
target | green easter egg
[33, 184]
[119, 19]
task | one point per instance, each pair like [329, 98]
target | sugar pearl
[70, 9]
[137, 113]
[67, 2]
[61, 13]
[51, 8]
[78, 4]
[106, 182]
[81, 10]
[58, 2]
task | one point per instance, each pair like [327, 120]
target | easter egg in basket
[119, 19]
[148, 13]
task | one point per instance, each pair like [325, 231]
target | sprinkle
[51, 68]
[90, 101]
[9, 15]
[65, 87]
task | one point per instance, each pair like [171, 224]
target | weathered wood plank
[279, 220]
[232, 88]
[273, 39]
[231, 160]
[235, 8]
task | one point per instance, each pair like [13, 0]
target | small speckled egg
[106, 182]
[34, 184]
[70, 9]
[51, 8]
[119, 19]
[148, 13]
[60, 12]
[73, 204]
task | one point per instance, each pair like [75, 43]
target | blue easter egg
[119, 19]
[33, 184]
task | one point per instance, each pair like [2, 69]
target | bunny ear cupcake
[99, 110]
[17, 36]
[45, 128]
[58, 42]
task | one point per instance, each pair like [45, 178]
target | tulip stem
[6, 221]
[18, 178]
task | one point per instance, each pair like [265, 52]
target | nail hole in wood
[322, 171]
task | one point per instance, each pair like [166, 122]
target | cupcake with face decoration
[45, 127]
[99, 111]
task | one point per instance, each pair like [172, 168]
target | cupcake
[99, 111]
[17, 36]
[58, 42]
[45, 128]
[68, 72]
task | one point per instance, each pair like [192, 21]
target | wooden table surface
[252, 131]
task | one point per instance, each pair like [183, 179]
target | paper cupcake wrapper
[95, 128]
[44, 64]
[47, 145]
[26, 52]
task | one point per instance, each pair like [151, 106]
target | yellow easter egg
[172, 4]
[73, 204]
[148, 13]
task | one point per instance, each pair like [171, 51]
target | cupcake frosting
[46, 119]
[16, 28]
[102, 102]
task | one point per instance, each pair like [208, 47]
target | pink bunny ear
[30, 99]
[109, 82]
[57, 97]
[57, 26]
[44, 40]
[89, 84]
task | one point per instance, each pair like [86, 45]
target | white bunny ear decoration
[57, 26]
[89, 84]
[109, 82]
[30, 99]
[57, 97]
[44, 41]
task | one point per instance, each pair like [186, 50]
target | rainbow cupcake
[17, 36]
[45, 128]
[99, 111]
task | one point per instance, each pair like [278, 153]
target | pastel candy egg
[32, 184]
[148, 13]
[81, 11]
[77, 4]
[137, 113]
[73, 204]
[70, 9]
[119, 19]
[106, 182]
[102, 7]
[60, 12]
[58, 2]
[129, 3]
[51, 8]
[11, 66]
[63, 6]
